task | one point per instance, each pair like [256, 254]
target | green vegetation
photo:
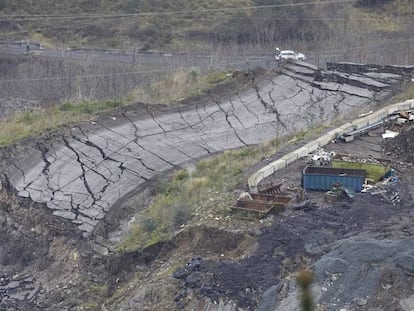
[90, 306]
[304, 279]
[196, 28]
[177, 85]
[207, 191]
[405, 94]
[184, 197]
[99, 290]
[34, 122]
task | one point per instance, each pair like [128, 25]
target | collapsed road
[82, 172]
[231, 263]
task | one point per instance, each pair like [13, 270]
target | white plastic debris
[389, 134]
[245, 196]
[321, 157]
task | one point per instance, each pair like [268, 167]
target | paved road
[81, 176]
[205, 61]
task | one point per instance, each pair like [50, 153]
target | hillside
[132, 210]
[200, 24]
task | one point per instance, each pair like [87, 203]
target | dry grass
[177, 85]
[34, 122]
[185, 198]
[407, 93]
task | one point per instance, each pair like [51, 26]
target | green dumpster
[376, 168]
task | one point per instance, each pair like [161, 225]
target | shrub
[148, 224]
[182, 214]
[181, 175]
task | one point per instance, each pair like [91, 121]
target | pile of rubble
[17, 289]
[369, 160]
[320, 157]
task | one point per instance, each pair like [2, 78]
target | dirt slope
[63, 193]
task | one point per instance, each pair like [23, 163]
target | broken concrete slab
[88, 172]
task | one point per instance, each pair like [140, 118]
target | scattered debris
[389, 134]
[386, 189]
[245, 196]
[321, 157]
[271, 188]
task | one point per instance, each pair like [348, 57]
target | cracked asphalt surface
[81, 174]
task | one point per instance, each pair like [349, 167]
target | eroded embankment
[80, 174]
[74, 178]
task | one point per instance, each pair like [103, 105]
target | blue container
[324, 178]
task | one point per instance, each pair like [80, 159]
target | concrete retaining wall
[325, 139]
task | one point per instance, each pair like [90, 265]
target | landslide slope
[66, 187]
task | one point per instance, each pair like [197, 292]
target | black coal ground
[317, 236]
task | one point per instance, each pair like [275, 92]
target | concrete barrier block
[344, 128]
[375, 116]
[284, 159]
[358, 123]
[302, 152]
[392, 109]
[411, 102]
[404, 106]
[291, 159]
[278, 165]
[347, 125]
[382, 114]
[268, 171]
[374, 119]
[323, 141]
[334, 133]
[312, 146]
[251, 181]
[255, 179]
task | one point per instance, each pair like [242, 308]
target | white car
[288, 54]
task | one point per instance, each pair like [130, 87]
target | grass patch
[177, 85]
[405, 94]
[207, 192]
[34, 122]
[182, 198]
[99, 290]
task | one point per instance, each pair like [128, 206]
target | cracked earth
[82, 173]
[62, 190]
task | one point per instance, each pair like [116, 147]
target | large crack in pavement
[83, 174]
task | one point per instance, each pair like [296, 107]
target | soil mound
[402, 146]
